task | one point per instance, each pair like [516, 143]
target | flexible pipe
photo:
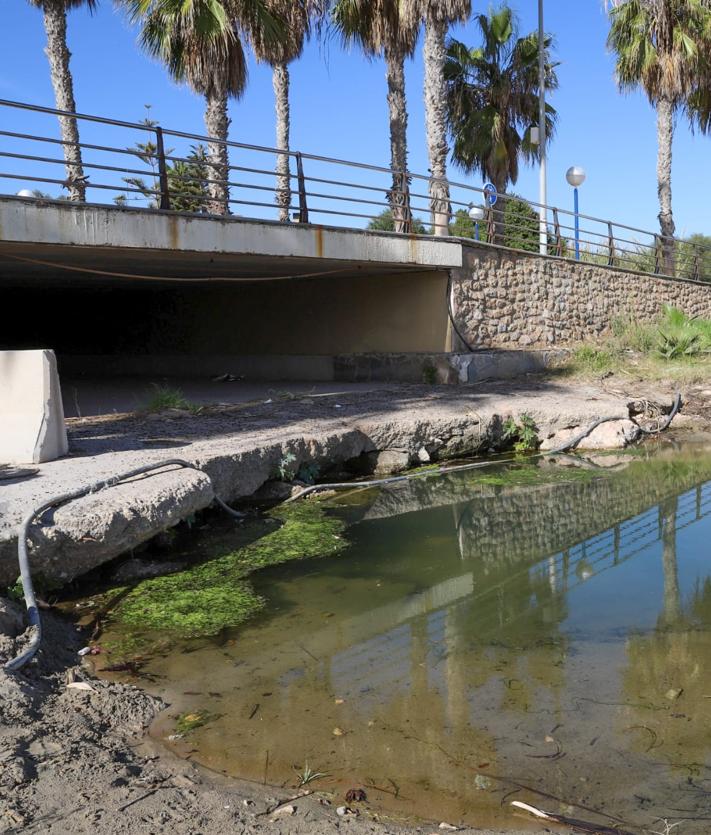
[23, 558]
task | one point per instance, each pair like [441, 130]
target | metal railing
[144, 164]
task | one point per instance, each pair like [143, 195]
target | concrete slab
[31, 414]
[113, 228]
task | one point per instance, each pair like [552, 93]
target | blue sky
[339, 107]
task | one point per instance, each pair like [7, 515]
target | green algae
[187, 722]
[214, 595]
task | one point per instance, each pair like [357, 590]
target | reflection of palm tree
[672, 597]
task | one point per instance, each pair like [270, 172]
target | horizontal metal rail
[180, 180]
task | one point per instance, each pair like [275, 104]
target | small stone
[284, 811]
[447, 827]
[346, 812]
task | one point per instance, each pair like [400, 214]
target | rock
[423, 456]
[391, 461]
[615, 434]
[275, 491]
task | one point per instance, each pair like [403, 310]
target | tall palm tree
[660, 46]
[58, 55]
[438, 16]
[388, 29]
[202, 43]
[492, 100]
[299, 16]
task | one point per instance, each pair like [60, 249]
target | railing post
[610, 245]
[162, 169]
[697, 265]
[657, 255]
[558, 238]
[303, 207]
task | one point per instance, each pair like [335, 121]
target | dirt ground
[73, 760]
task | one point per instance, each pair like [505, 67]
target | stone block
[32, 426]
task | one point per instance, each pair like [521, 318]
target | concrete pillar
[32, 426]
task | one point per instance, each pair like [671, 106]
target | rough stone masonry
[506, 298]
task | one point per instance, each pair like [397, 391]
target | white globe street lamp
[25, 192]
[575, 176]
[477, 214]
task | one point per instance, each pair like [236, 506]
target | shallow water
[480, 642]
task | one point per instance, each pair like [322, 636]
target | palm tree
[492, 100]
[299, 16]
[388, 29]
[202, 42]
[660, 46]
[58, 55]
[438, 16]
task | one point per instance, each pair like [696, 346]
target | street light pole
[575, 176]
[543, 191]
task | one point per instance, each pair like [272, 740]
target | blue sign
[490, 194]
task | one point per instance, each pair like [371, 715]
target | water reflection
[478, 639]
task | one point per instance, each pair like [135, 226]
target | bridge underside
[283, 313]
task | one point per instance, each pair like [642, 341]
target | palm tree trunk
[665, 136]
[399, 196]
[280, 82]
[217, 124]
[58, 55]
[498, 212]
[436, 121]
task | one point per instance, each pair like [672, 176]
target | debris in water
[338, 732]
[580, 826]
[356, 796]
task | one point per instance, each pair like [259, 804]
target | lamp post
[476, 213]
[575, 176]
[542, 188]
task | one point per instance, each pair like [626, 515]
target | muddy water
[544, 638]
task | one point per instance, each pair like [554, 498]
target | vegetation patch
[166, 397]
[521, 434]
[215, 594]
[187, 722]
[675, 346]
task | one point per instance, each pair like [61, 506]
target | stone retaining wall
[504, 298]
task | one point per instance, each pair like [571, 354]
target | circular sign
[490, 194]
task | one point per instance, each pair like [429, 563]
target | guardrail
[147, 165]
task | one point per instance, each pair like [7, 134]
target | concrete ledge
[66, 224]
[31, 413]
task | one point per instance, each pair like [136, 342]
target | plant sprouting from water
[308, 775]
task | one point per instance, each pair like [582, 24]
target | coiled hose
[25, 575]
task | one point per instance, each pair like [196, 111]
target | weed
[308, 473]
[592, 359]
[429, 375]
[285, 468]
[15, 591]
[521, 434]
[672, 346]
[308, 776]
[164, 397]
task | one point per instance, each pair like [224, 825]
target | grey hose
[25, 575]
